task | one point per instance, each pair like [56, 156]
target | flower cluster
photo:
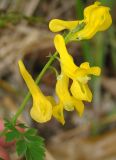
[96, 18]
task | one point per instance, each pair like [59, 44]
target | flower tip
[21, 66]
[62, 122]
[58, 41]
[58, 37]
[20, 62]
[97, 71]
[56, 25]
[81, 110]
[90, 96]
[51, 25]
[40, 117]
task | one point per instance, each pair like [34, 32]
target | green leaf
[1, 158]
[35, 139]
[35, 152]
[22, 125]
[29, 145]
[10, 136]
[21, 147]
[8, 125]
[28, 155]
[35, 148]
[31, 132]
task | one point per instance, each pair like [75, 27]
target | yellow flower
[66, 101]
[41, 110]
[79, 75]
[44, 107]
[57, 25]
[96, 18]
[79, 87]
[67, 63]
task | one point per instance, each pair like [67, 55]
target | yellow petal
[90, 9]
[83, 79]
[43, 114]
[61, 48]
[79, 106]
[63, 92]
[88, 31]
[52, 100]
[94, 71]
[62, 87]
[99, 13]
[42, 108]
[102, 14]
[91, 70]
[81, 91]
[69, 106]
[67, 63]
[85, 65]
[58, 113]
[34, 89]
[57, 25]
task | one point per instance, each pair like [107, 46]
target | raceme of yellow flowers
[96, 18]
